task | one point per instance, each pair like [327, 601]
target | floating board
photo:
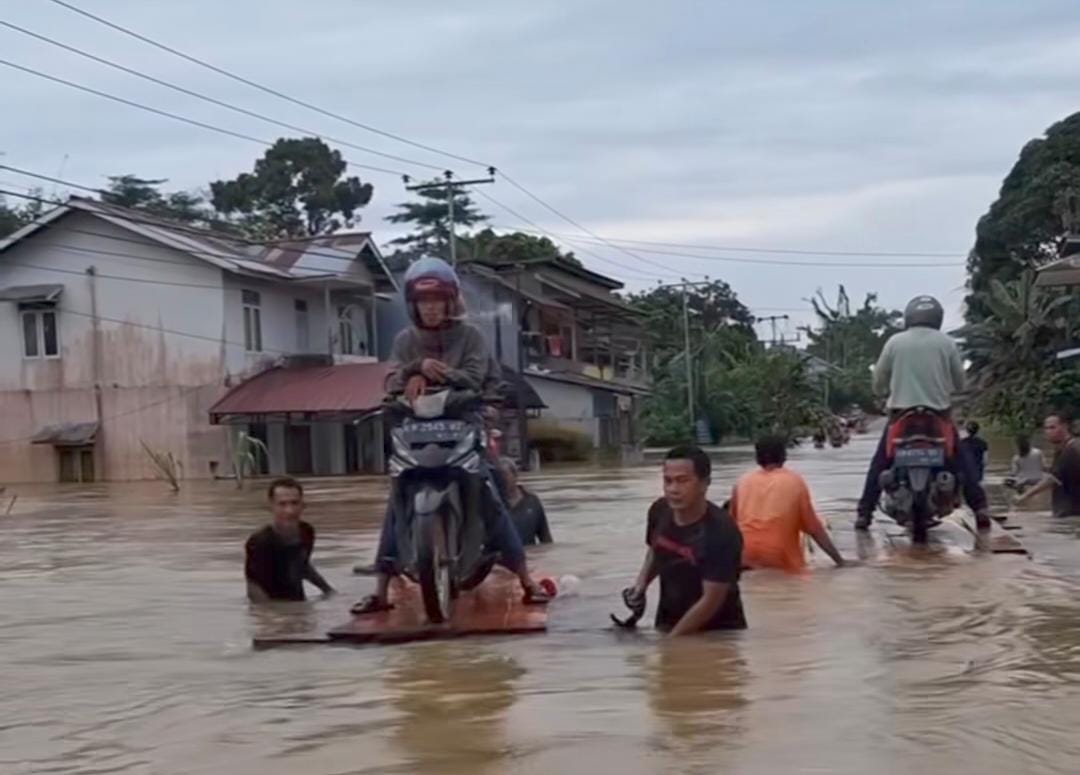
[957, 532]
[999, 539]
[493, 608]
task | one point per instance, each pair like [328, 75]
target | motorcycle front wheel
[434, 566]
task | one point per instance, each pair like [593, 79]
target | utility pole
[772, 319]
[686, 346]
[451, 187]
[686, 285]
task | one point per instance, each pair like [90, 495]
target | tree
[430, 221]
[1012, 350]
[137, 193]
[515, 248]
[1023, 226]
[14, 218]
[851, 342]
[713, 306]
[298, 188]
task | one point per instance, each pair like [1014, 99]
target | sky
[842, 126]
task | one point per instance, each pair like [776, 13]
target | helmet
[432, 277]
[924, 311]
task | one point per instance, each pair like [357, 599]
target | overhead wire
[168, 114]
[213, 100]
[266, 89]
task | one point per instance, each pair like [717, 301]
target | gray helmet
[924, 311]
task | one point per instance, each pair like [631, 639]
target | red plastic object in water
[548, 585]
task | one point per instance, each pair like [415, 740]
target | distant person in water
[1027, 467]
[526, 510]
[773, 508]
[1063, 478]
[977, 447]
[278, 556]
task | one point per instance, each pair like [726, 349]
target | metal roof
[68, 434]
[1064, 271]
[348, 388]
[31, 293]
[272, 261]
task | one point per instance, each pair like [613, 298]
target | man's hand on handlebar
[434, 369]
[415, 387]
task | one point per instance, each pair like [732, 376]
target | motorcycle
[438, 493]
[918, 489]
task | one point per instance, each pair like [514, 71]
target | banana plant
[246, 456]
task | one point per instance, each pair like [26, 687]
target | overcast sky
[828, 125]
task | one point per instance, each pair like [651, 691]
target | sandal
[370, 605]
[536, 595]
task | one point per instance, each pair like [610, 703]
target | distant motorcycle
[438, 493]
[918, 489]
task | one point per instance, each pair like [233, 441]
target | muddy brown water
[125, 646]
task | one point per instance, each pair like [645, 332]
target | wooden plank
[493, 608]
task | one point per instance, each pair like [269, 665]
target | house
[561, 327]
[120, 331]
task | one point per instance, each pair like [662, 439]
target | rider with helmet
[442, 349]
[920, 367]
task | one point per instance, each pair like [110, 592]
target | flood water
[125, 646]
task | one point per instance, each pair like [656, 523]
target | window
[41, 338]
[345, 330]
[303, 343]
[252, 322]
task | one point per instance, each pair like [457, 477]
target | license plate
[920, 457]
[434, 431]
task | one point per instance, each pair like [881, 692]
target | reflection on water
[126, 637]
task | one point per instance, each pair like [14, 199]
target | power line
[791, 251]
[263, 88]
[167, 114]
[213, 100]
[540, 229]
[782, 262]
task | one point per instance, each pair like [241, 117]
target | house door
[298, 459]
[76, 464]
[352, 448]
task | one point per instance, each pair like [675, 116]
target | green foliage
[1012, 349]
[168, 467]
[852, 341]
[515, 248]
[430, 221]
[14, 218]
[1022, 228]
[298, 188]
[247, 452]
[143, 194]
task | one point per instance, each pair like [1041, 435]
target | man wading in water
[279, 555]
[1063, 478]
[696, 550]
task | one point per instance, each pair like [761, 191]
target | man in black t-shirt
[695, 548]
[976, 447]
[526, 510]
[1064, 475]
[278, 556]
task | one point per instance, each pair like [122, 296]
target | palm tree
[1011, 351]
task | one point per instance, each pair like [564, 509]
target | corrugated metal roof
[68, 434]
[345, 388]
[31, 293]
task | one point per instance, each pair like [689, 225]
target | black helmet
[924, 311]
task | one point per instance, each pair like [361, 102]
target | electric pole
[451, 187]
[773, 319]
[686, 285]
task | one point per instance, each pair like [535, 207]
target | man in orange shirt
[772, 508]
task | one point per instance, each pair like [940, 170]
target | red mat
[493, 608]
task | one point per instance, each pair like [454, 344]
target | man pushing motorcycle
[443, 350]
[921, 367]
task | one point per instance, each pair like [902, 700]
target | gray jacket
[462, 347]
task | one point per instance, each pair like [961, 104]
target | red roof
[345, 388]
